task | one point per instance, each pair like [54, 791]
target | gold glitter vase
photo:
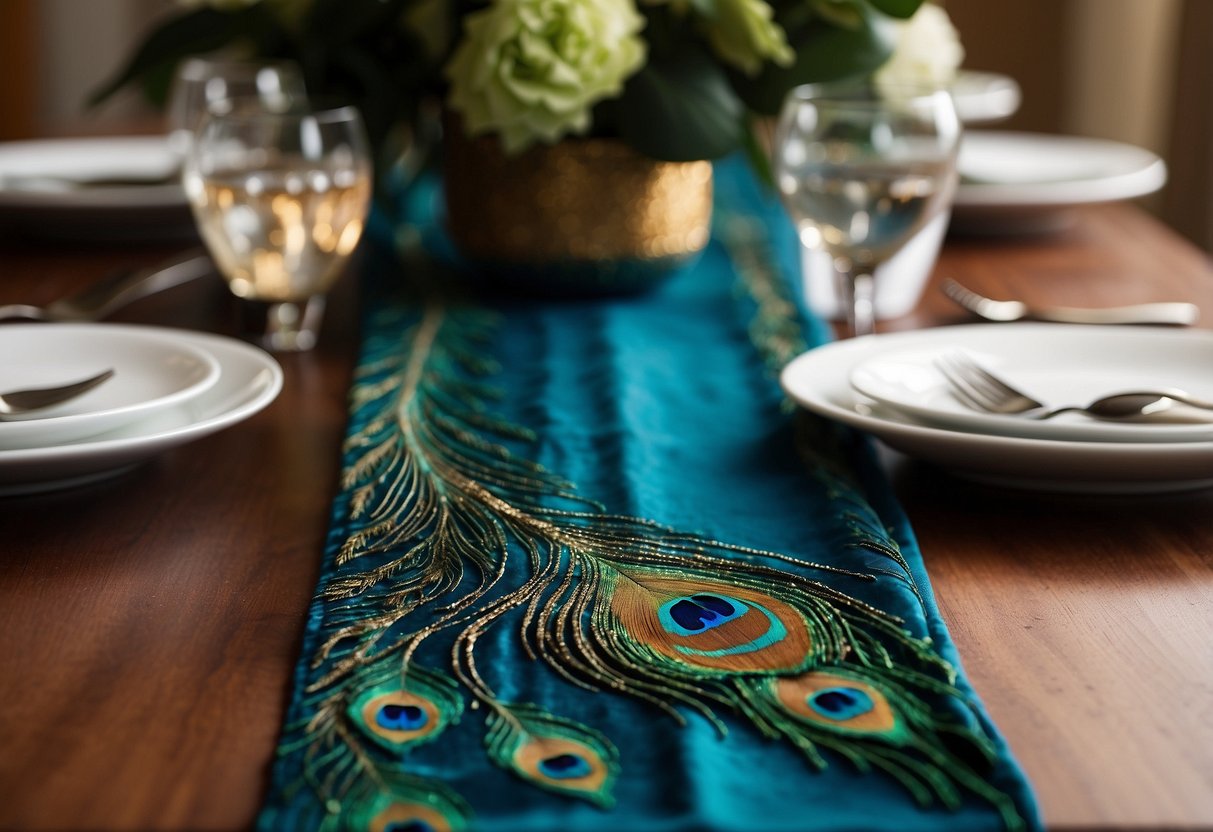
[580, 217]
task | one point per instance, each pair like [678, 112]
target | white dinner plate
[819, 380]
[249, 379]
[982, 97]
[41, 190]
[1056, 364]
[153, 369]
[1024, 182]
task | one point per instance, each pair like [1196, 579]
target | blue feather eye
[409, 826]
[397, 717]
[693, 614]
[840, 703]
[401, 717]
[564, 766]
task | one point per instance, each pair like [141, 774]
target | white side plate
[153, 369]
[249, 379]
[1064, 365]
[1023, 182]
[38, 197]
[819, 380]
[984, 96]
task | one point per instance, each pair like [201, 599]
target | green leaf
[339, 21]
[897, 8]
[758, 156]
[847, 14]
[680, 107]
[823, 53]
[204, 30]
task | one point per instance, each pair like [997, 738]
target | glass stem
[284, 326]
[857, 291]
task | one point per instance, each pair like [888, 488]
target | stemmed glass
[212, 85]
[861, 169]
[281, 200]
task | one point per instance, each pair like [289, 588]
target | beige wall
[81, 42]
[1120, 69]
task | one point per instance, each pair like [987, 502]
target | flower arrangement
[675, 79]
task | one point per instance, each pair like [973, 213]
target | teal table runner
[587, 571]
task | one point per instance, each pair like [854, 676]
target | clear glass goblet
[861, 169]
[211, 85]
[281, 200]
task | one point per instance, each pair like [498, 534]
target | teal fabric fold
[665, 408]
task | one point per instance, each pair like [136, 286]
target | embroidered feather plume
[450, 532]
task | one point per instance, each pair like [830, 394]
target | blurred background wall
[1139, 71]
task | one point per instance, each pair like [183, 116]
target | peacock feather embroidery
[450, 532]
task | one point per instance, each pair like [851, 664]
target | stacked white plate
[1024, 183]
[169, 387]
[105, 188]
[888, 386]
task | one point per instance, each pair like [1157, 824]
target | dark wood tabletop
[151, 623]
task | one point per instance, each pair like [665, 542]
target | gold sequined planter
[581, 217]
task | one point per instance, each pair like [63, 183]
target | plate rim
[126, 413]
[1054, 431]
[1149, 176]
[116, 198]
[194, 427]
[914, 433]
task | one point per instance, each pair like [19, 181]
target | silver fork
[1168, 314]
[98, 300]
[20, 402]
[979, 389]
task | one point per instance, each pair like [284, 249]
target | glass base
[283, 326]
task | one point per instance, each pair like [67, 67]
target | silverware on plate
[21, 402]
[106, 296]
[979, 389]
[1168, 314]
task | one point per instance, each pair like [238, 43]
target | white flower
[928, 51]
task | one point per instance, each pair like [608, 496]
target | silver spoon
[20, 402]
[980, 389]
[1144, 406]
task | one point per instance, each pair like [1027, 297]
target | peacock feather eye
[565, 766]
[416, 825]
[698, 613]
[554, 753]
[708, 625]
[397, 715]
[411, 817]
[840, 702]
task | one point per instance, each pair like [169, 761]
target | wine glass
[213, 85]
[281, 200]
[861, 169]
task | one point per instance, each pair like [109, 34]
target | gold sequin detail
[580, 200]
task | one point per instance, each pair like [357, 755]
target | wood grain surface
[151, 624]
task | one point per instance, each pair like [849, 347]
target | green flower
[531, 70]
[744, 33]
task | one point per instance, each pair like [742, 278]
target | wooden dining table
[150, 624]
